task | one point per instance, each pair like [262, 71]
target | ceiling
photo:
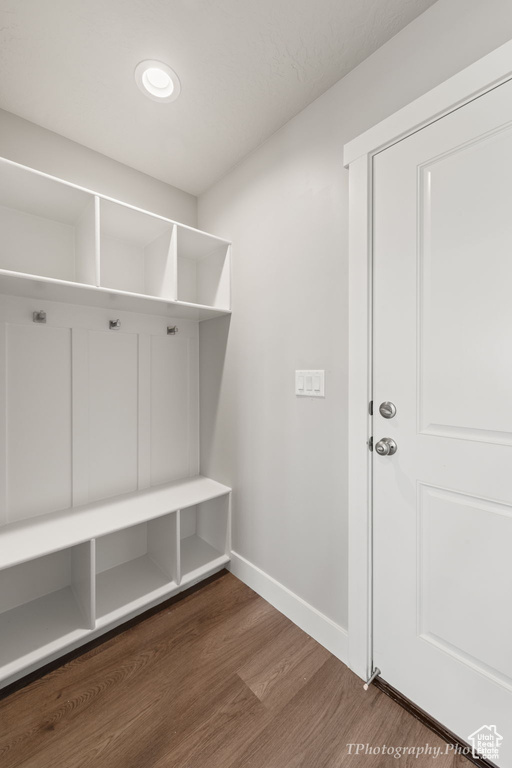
[246, 67]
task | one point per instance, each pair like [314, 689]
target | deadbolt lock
[387, 410]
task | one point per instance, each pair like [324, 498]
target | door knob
[387, 409]
[386, 447]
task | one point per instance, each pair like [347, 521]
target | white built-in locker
[103, 510]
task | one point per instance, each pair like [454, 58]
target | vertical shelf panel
[173, 256]
[83, 570]
[97, 240]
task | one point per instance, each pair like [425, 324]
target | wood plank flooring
[219, 679]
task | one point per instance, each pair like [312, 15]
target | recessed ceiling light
[157, 81]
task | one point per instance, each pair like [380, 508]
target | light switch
[310, 383]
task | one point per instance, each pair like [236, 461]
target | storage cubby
[203, 269]
[45, 604]
[137, 251]
[135, 566]
[51, 600]
[203, 537]
[47, 228]
[71, 262]
[64, 243]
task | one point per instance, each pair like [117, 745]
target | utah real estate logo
[485, 742]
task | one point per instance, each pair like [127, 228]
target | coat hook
[114, 325]
[172, 330]
[39, 317]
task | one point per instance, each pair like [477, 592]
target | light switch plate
[310, 383]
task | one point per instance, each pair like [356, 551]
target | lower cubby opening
[204, 538]
[135, 566]
[45, 605]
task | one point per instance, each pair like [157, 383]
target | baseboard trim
[322, 629]
[434, 725]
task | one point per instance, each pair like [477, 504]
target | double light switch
[310, 383]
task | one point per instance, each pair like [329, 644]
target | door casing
[479, 78]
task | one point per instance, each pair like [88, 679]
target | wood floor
[219, 679]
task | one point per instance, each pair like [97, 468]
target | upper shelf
[49, 289]
[37, 536]
[65, 243]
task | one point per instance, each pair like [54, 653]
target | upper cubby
[64, 243]
[203, 269]
[47, 228]
[136, 251]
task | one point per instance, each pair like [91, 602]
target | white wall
[31, 145]
[285, 208]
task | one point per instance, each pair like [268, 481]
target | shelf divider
[97, 241]
[178, 546]
[173, 256]
[83, 581]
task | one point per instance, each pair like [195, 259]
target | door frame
[479, 78]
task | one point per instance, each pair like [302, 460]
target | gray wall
[285, 207]
[31, 145]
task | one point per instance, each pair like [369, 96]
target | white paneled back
[87, 412]
[172, 396]
[38, 407]
[112, 402]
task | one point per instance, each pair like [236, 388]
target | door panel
[455, 605]
[465, 232]
[443, 355]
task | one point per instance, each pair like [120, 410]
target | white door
[443, 356]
